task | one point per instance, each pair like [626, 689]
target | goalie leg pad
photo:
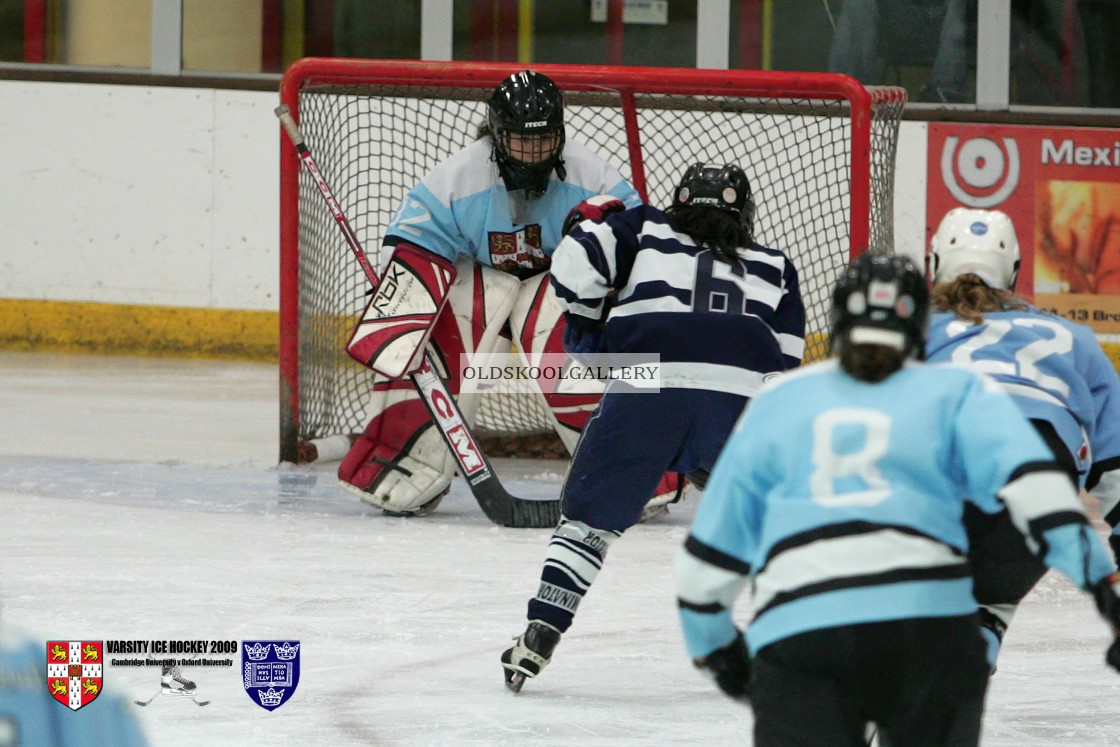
[400, 462]
[538, 327]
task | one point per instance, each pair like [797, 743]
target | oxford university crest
[270, 671]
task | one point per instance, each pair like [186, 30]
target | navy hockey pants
[633, 439]
[922, 681]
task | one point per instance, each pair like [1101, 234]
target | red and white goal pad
[818, 148]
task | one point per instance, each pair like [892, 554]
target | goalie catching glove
[595, 208]
[730, 667]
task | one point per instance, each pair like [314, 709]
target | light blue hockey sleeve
[1007, 464]
[423, 220]
[1104, 475]
[33, 717]
[714, 565]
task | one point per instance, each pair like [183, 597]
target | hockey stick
[494, 500]
[149, 700]
[193, 699]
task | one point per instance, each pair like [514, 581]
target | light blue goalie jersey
[30, 717]
[714, 325]
[842, 502]
[1056, 371]
[462, 207]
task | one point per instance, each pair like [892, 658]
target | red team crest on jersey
[74, 672]
[518, 251]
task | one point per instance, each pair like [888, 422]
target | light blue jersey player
[1054, 370]
[839, 500]
[31, 717]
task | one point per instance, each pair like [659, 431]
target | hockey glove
[593, 208]
[582, 338]
[1106, 592]
[730, 667]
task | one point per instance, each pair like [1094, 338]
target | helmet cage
[526, 120]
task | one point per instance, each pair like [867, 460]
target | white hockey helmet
[981, 242]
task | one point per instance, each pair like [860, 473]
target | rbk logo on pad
[75, 672]
[270, 671]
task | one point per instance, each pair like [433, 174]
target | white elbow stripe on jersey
[850, 555]
[791, 345]
[708, 581]
[1039, 496]
[1104, 483]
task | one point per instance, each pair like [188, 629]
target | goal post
[818, 148]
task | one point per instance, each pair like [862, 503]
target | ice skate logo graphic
[74, 672]
[982, 173]
[172, 683]
[270, 671]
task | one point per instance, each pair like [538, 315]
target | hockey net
[819, 150]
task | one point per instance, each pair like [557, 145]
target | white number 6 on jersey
[829, 468]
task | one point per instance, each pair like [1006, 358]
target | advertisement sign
[1061, 188]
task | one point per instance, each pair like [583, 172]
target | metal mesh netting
[374, 144]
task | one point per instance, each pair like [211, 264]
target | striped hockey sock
[575, 557]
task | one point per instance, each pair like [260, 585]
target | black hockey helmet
[712, 185]
[529, 105]
[881, 299]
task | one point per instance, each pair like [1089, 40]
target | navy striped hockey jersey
[715, 325]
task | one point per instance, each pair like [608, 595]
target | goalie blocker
[400, 462]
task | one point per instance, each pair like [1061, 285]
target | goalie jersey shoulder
[462, 206]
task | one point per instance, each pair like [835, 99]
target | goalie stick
[494, 500]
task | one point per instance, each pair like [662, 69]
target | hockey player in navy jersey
[492, 215]
[1054, 370]
[722, 312]
[838, 500]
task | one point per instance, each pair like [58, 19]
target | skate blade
[515, 681]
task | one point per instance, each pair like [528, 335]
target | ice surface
[141, 500]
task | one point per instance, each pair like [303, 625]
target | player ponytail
[716, 229]
[871, 363]
[969, 298]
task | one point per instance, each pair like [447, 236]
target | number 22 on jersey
[992, 352]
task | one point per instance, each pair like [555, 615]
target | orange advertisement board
[1061, 187]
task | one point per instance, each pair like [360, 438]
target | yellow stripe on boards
[127, 329]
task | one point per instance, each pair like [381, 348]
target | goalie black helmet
[881, 299]
[724, 187]
[526, 119]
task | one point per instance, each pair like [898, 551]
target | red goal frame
[860, 103]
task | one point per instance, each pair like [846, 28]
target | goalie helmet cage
[818, 148]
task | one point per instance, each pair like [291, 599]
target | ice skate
[530, 655]
[173, 683]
